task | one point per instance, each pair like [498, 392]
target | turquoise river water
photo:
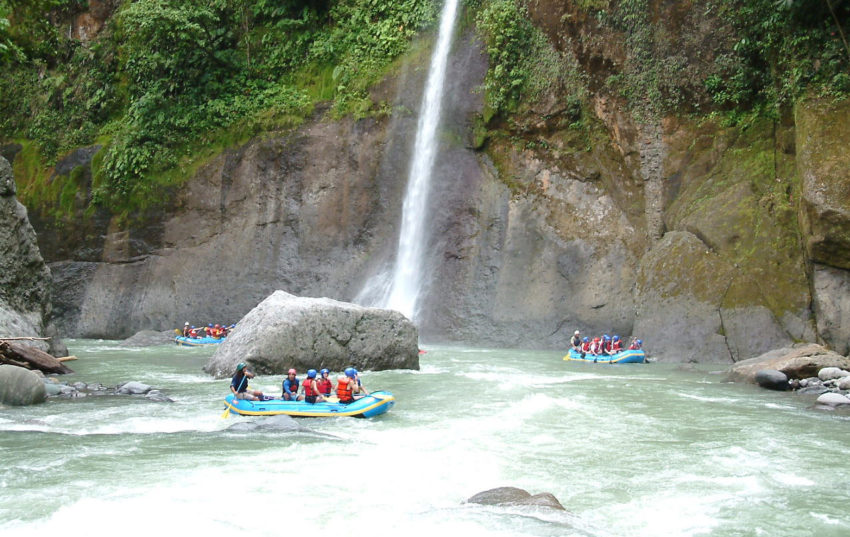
[629, 450]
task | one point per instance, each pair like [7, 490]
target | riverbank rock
[772, 379]
[515, 496]
[25, 280]
[20, 387]
[286, 331]
[833, 399]
[799, 362]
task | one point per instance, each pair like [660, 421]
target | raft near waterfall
[368, 406]
[630, 356]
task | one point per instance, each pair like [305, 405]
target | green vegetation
[166, 80]
[523, 63]
[766, 54]
[167, 83]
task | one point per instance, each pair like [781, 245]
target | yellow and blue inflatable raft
[368, 406]
[622, 357]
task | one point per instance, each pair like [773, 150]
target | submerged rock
[286, 331]
[515, 496]
[148, 338]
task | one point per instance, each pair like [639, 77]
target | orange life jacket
[343, 391]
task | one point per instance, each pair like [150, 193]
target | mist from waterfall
[399, 289]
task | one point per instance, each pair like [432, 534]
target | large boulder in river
[20, 387]
[286, 331]
[799, 362]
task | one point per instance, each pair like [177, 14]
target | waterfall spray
[402, 293]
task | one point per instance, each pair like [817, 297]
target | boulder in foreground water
[286, 331]
[20, 387]
[515, 496]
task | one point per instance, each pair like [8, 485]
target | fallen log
[67, 358]
[30, 358]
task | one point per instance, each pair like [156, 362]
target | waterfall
[401, 292]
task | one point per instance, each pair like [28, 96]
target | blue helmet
[209, 325]
[311, 373]
[606, 337]
[640, 342]
[616, 338]
[325, 371]
[350, 372]
[586, 339]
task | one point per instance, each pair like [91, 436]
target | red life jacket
[308, 388]
[325, 386]
[193, 332]
[616, 346]
[607, 346]
[633, 346]
[343, 391]
[585, 347]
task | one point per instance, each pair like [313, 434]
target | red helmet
[293, 372]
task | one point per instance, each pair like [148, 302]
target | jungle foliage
[167, 78]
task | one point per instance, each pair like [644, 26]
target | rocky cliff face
[710, 243]
[25, 281]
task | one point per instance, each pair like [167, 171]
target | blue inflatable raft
[197, 342]
[622, 357]
[368, 406]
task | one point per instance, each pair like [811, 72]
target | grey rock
[20, 387]
[844, 384]
[158, 396]
[802, 361]
[269, 423]
[286, 331]
[52, 389]
[149, 338]
[832, 373]
[772, 379]
[133, 388]
[515, 496]
[833, 399]
[814, 389]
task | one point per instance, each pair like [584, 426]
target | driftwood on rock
[30, 358]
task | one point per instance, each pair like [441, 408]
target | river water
[629, 450]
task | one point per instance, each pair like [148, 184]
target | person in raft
[636, 344]
[239, 384]
[290, 387]
[324, 383]
[310, 386]
[186, 330]
[349, 386]
[616, 345]
[575, 341]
